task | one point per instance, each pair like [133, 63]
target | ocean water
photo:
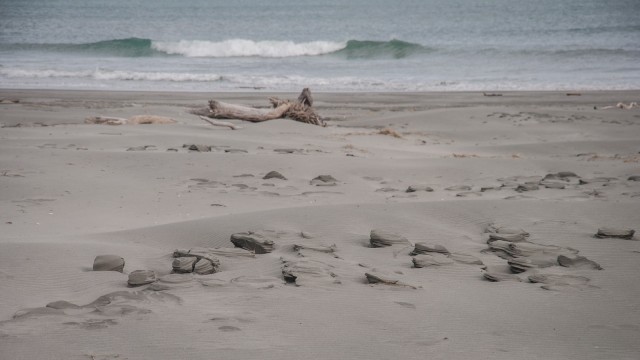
[327, 45]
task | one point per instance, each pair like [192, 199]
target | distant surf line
[137, 47]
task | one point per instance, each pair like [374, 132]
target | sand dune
[495, 262]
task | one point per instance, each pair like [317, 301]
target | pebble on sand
[251, 241]
[201, 261]
[515, 237]
[579, 262]
[527, 187]
[384, 279]
[560, 175]
[424, 248]
[197, 147]
[308, 272]
[324, 180]
[416, 188]
[495, 276]
[141, 277]
[184, 264]
[429, 260]
[492, 228]
[383, 238]
[108, 263]
[611, 232]
[274, 175]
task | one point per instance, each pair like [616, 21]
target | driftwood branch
[300, 110]
[220, 123]
[222, 110]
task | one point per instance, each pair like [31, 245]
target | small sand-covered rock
[579, 262]
[459, 188]
[429, 260]
[197, 147]
[523, 264]
[496, 276]
[382, 238]
[386, 189]
[465, 259]
[204, 267]
[597, 180]
[509, 250]
[377, 278]
[172, 281]
[324, 180]
[211, 253]
[560, 175]
[490, 188]
[108, 263]
[141, 277]
[514, 237]
[315, 248]
[424, 248]
[553, 185]
[492, 228]
[469, 194]
[553, 282]
[251, 241]
[184, 264]
[141, 148]
[416, 188]
[527, 187]
[308, 272]
[62, 304]
[611, 232]
[202, 261]
[566, 174]
[634, 178]
[289, 151]
[274, 175]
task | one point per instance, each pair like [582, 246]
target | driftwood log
[299, 110]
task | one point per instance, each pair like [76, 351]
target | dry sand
[70, 192]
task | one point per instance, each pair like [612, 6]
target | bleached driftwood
[134, 120]
[222, 110]
[300, 110]
[621, 105]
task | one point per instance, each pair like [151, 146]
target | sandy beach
[414, 226]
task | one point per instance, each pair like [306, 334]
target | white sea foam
[247, 48]
[102, 74]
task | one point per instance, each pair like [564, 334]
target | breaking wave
[136, 47]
